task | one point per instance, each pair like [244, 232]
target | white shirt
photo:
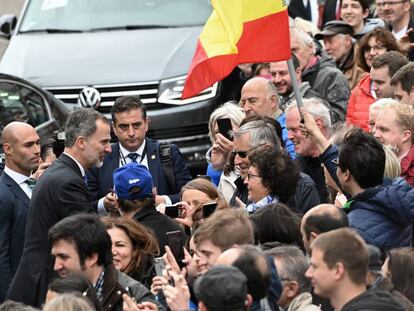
[398, 35]
[314, 10]
[124, 159]
[20, 179]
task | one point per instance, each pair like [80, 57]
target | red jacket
[359, 102]
[407, 167]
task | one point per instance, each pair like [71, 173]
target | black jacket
[59, 193]
[373, 300]
[305, 198]
[159, 224]
[117, 283]
[14, 206]
[313, 167]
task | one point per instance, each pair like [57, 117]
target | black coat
[159, 224]
[59, 193]
[14, 206]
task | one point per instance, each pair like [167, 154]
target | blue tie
[85, 179]
[133, 156]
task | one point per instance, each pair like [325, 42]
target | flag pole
[295, 85]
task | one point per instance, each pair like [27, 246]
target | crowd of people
[304, 206]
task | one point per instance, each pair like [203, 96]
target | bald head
[228, 257]
[322, 218]
[21, 147]
[259, 97]
[14, 131]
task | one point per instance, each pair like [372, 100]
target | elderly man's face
[256, 99]
[302, 51]
[337, 46]
[303, 146]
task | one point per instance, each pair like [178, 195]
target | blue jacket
[382, 215]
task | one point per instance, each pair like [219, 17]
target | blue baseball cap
[132, 181]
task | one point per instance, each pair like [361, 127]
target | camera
[58, 142]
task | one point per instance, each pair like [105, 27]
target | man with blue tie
[22, 151]
[130, 124]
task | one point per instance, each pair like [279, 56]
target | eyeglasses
[376, 48]
[249, 176]
[390, 3]
[243, 154]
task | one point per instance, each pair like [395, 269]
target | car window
[85, 15]
[20, 103]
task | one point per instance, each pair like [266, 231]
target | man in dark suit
[22, 151]
[130, 123]
[60, 192]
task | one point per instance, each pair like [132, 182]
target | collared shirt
[77, 162]
[20, 179]
[124, 159]
[269, 199]
[99, 285]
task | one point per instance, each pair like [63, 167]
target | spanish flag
[238, 31]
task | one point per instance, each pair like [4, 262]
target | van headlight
[172, 89]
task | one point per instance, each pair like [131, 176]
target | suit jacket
[329, 11]
[100, 180]
[297, 9]
[59, 193]
[14, 206]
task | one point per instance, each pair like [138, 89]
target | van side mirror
[7, 25]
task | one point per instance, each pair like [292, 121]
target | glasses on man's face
[389, 3]
[244, 154]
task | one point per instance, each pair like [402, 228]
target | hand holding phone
[208, 209]
[173, 211]
[225, 128]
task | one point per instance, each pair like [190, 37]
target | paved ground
[9, 7]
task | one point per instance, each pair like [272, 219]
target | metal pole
[295, 85]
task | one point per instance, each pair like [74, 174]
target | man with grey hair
[291, 266]
[306, 150]
[321, 73]
[61, 192]
[262, 134]
[259, 97]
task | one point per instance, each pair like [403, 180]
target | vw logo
[89, 97]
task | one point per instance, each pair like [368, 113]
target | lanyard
[123, 159]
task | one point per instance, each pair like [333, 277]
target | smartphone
[176, 244]
[208, 209]
[225, 128]
[173, 211]
[159, 265]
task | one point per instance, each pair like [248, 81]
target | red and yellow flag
[238, 31]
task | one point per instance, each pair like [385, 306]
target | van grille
[147, 91]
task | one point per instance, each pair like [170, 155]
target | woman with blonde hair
[68, 302]
[221, 146]
[194, 195]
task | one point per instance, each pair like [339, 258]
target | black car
[22, 101]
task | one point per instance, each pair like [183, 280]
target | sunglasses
[244, 154]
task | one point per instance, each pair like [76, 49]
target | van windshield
[90, 15]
